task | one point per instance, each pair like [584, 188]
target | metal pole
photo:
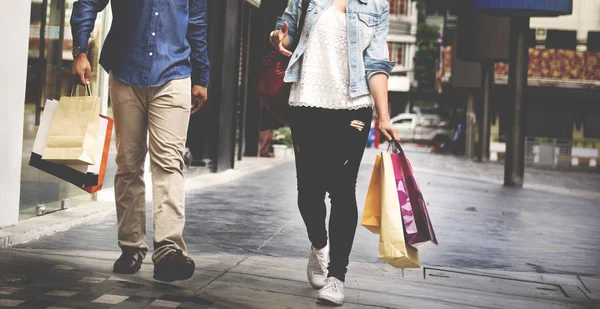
[487, 78]
[470, 126]
[514, 168]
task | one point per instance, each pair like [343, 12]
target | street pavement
[485, 231]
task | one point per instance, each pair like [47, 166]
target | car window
[403, 121]
[428, 122]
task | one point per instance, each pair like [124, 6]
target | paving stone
[61, 293]
[165, 303]
[110, 299]
[92, 280]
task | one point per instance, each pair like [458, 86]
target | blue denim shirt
[368, 27]
[150, 42]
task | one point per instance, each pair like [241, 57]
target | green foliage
[427, 55]
[283, 136]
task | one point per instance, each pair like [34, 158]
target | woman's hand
[280, 40]
[388, 130]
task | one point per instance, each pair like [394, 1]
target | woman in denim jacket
[339, 71]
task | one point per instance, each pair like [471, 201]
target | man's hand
[82, 69]
[199, 97]
[277, 40]
[388, 130]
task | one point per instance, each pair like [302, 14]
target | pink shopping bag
[417, 224]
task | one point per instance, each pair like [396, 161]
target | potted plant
[282, 142]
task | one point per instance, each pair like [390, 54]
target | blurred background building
[402, 39]
[563, 85]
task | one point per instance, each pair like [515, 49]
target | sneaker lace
[319, 263]
[335, 285]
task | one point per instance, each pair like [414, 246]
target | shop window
[49, 77]
[593, 41]
[561, 39]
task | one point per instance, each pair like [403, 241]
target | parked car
[428, 129]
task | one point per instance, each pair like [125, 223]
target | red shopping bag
[417, 223]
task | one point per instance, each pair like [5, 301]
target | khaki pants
[162, 114]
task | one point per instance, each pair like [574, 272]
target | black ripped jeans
[329, 145]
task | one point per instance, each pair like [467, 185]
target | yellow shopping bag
[393, 248]
[73, 137]
[382, 216]
[371, 218]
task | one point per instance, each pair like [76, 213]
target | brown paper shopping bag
[73, 137]
[90, 178]
[371, 218]
[393, 247]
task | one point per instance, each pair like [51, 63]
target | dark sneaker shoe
[128, 263]
[174, 266]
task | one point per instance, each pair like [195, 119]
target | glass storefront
[49, 77]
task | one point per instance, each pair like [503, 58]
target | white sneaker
[317, 267]
[332, 293]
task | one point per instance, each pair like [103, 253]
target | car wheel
[440, 144]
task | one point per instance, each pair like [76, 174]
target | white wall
[585, 18]
[14, 35]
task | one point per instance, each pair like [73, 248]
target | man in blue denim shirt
[155, 51]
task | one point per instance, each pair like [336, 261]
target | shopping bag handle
[395, 146]
[75, 90]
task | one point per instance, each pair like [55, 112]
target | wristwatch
[78, 51]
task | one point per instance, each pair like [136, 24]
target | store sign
[527, 7]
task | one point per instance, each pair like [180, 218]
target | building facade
[402, 43]
[402, 39]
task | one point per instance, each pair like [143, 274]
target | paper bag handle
[75, 90]
[395, 146]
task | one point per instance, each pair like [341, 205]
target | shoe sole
[125, 271]
[328, 302]
[187, 270]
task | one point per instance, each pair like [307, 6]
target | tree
[428, 51]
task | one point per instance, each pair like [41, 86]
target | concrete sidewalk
[36, 227]
[499, 248]
[263, 282]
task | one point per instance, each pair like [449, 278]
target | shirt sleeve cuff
[279, 26]
[374, 66]
[81, 40]
[200, 79]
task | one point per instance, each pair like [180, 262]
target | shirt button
[156, 13]
[153, 33]
[150, 54]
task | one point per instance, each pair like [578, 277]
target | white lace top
[325, 78]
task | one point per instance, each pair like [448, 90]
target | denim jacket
[368, 54]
